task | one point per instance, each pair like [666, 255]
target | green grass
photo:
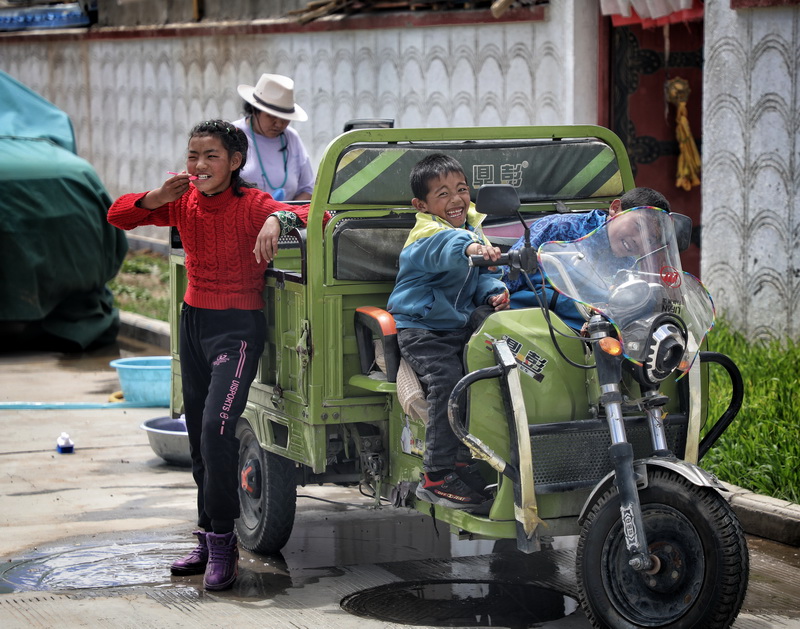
[760, 450]
[142, 285]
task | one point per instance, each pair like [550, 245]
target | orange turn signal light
[610, 346]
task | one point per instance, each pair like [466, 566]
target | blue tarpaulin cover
[57, 250]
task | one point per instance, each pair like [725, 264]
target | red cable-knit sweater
[218, 235]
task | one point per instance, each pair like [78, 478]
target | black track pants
[220, 352]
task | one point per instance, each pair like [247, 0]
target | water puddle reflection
[97, 567]
[445, 603]
[136, 565]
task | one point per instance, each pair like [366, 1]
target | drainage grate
[460, 603]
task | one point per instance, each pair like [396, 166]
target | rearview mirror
[683, 230]
[497, 199]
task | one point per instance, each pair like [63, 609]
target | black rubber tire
[701, 546]
[269, 497]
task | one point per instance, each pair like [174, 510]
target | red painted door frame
[632, 73]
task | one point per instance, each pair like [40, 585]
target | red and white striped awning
[650, 13]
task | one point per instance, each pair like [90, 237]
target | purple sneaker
[195, 562]
[223, 561]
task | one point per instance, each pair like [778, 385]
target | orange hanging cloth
[688, 174]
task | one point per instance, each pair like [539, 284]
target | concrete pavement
[112, 473]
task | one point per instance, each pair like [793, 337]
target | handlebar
[504, 259]
[517, 259]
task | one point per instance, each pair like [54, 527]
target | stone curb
[144, 329]
[763, 516]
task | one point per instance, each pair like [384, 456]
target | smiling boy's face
[447, 198]
[626, 235]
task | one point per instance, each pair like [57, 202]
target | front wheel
[702, 563]
[267, 495]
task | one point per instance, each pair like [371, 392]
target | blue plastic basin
[144, 379]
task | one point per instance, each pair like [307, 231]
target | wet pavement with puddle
[384, 566]
[88, 539]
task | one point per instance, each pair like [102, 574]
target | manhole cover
[459, 603]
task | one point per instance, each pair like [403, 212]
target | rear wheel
[702, 563]
[267, 495]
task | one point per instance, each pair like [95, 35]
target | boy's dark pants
[219, 351]
[437, 357]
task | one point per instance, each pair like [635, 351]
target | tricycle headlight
[667, 347]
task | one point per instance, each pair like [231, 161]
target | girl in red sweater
[230, 233]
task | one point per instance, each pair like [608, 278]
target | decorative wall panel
[134, 96]
[751, 166]
[133, 100]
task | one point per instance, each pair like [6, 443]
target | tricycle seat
[371, 322]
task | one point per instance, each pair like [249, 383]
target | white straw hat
[274, 94]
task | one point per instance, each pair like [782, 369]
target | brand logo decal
[670, 276]
[530, 363]
[222, 358]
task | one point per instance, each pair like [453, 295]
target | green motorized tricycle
[596, 436]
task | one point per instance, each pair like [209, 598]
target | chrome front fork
[609, 373]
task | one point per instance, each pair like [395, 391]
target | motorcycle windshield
[629, 271]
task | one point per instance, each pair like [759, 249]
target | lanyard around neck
[261, 164]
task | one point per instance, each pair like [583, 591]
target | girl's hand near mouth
[171, 190]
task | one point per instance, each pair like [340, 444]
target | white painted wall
[133, 101]
[751, 166]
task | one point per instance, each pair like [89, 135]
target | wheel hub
[671, 571]
[250, 477]
[662, 597]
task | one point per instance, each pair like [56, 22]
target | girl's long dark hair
[233, 139]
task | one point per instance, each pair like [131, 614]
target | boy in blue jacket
[433, 303]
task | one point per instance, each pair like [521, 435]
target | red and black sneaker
[451, 492]
[471, 475]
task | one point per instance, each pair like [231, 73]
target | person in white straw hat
[279, 163]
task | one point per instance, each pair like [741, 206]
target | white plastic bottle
[64, 444]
